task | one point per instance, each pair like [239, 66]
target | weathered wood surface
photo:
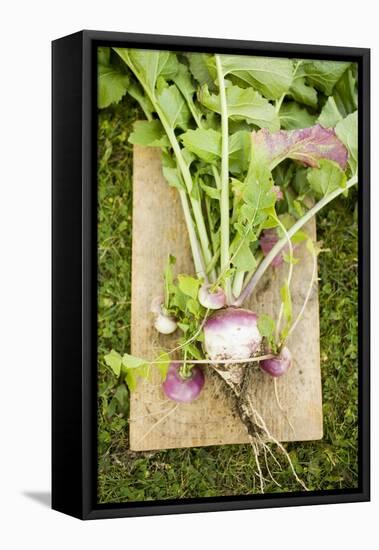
[158, 230]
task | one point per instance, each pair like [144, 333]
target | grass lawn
[220, 470]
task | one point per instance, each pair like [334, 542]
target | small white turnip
[211, 297]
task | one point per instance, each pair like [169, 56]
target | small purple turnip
[279, 365]
[183, 389]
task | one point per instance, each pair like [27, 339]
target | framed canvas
[210, 274]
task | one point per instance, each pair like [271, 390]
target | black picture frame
[74, 295]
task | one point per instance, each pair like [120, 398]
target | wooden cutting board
[159, 230]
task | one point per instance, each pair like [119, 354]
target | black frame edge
[67, 98]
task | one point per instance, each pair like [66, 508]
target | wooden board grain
[158, 230]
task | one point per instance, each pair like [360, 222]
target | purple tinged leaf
[267, 241]
[308, 145]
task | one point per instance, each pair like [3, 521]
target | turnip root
[183, 388]
[163, 323]
[211, 298]
[231, 333]
[279, 365]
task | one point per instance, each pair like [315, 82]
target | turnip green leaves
[250, 143]
[271, 77]
[113, 82]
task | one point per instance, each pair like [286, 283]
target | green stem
[250, 286]
[238, 283]
[279, 102]
[214, 261]
[195, 248]
[196, 207]
[224, 200]
[289, 279]
[308, 295]
[211, 225]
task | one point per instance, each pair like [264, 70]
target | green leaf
[327, 178]
[162, 363]
[212, 192]
[258, 192]
[293, 116]
[206, 144]
[242, 257]
[149, 65]
[173, 177]
[169, 278]
[149, 133]
[103, 55]
[193, 307]
[183, 327]
[189, 285]
[174, 107]
[136, 92]
[330, 114]
[266, 326]
[302, 92]
[271, 77]
[299, 237]
[121, 396]
[345, 93]
[135, 368]
[170, 171]
[114, 361]
[112, 85]
[198, 64]
[323, 75]
[243, 104]
[290, 260]
[342, 103]
[194, 352]
[347, 131]
[131, 380]
[131, 362]
[285, 295]
[258, 196]
[183, 81]
[239, 152]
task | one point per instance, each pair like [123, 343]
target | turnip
[231, 333]
[211, 297]
[163, 322]
[183, 387]
[279, 365]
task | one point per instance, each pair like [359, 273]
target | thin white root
[261, 423]
[219, 361]
[268, 468]
[283, 411]
[264, 445]
[156, 424]
[254, 447]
